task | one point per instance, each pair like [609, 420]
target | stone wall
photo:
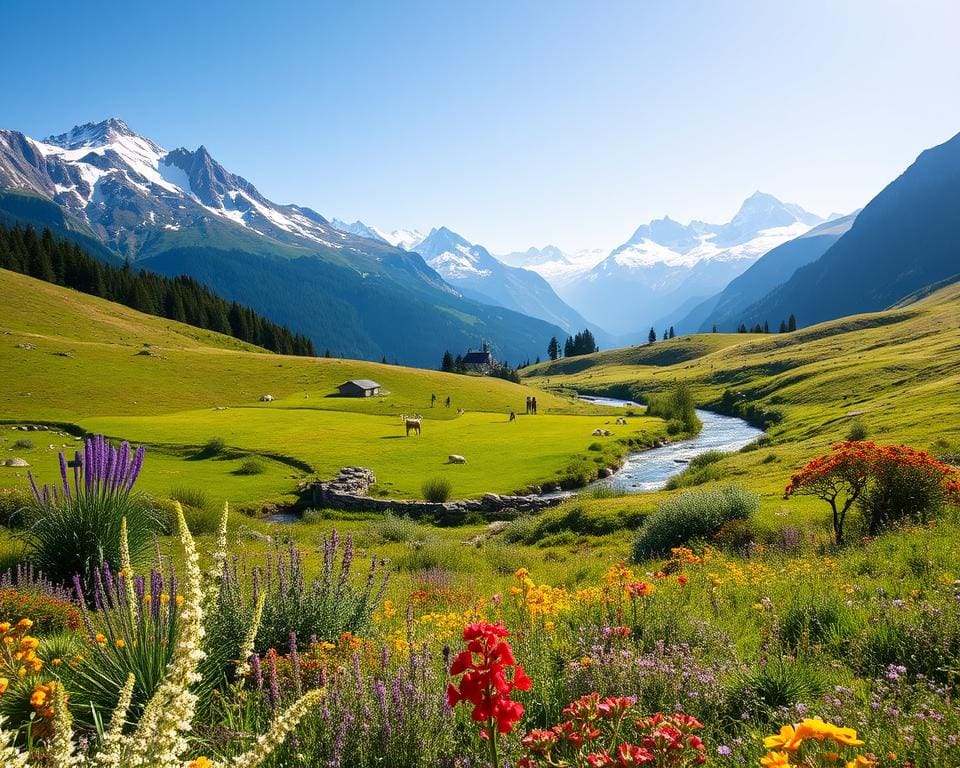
[350, 488]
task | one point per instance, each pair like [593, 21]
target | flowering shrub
[50, 614]
[74, 525]
[609, 733]
[892, 483]
[484, 682]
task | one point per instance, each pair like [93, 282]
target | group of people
[433, 401]
[531, 406]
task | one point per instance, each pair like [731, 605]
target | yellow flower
[39, 697]
[4, 683]
[179, 600]
[775, 760]
[29, 643]
[861, 761]
[120, 642]
[4, 627]
[521, 573]
[24, 624]
[586, 661]
[56, 662]
[101, 639]
[787, 739]
[200, 762]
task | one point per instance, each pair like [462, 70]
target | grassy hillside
[70, 358]
[896, 372]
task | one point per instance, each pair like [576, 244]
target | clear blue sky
[515, 123]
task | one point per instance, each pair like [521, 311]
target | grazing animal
[456, 458]
[601, 432]
[621, 420]
[266, 398]
[460, 411]
[513, 416]
[412, 425]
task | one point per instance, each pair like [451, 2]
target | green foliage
[595, 446]
[77, 535]
[677, 407]
[14, 503]
[815, 619]
[24, 444]
[195, 498]
[49, 613]
[432, 554]
[396, 529]
[778, 684]
[692, 515]
[858, 430]
[701, 469]
[437, 489]
[573, 518]
[251, 467]
[183, 299]
[215, 446]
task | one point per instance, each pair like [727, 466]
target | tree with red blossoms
[484, 669]
[891, 482]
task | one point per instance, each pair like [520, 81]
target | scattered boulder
[26, 345]
[16, 461]
[266, 398]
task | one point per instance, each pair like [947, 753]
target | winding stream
[650, 470]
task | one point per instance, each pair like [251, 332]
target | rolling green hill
[73, 359]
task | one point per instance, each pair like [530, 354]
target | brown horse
[412, 425]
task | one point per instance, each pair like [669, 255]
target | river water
[650, 470]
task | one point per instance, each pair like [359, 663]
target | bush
[432, 554]
[251, 467]
[75, 532]
[14, 503]
[763, 441]
[595, 447]
[23, 444]
[215, 446]
[816, 619]
[692, 515]
[677, 405]
[700, 470]
[858, 430]
[436, 489]
[49, 613]
[195, 498]
[770, 687]
[396, 529]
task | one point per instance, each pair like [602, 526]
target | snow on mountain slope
[559, 268]
[666, 264]
[123, 186]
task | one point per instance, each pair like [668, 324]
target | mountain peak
[92, 134]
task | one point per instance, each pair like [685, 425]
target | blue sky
[514, 123]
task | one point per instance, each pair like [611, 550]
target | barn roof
[362, 383]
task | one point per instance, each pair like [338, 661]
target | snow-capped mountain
[667, 265]
[558, 267]
[180, 212]
[407, 239]
[123, 186]
[478, 274]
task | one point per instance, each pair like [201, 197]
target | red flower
[484, 681]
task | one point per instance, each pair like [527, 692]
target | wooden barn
[359, 388]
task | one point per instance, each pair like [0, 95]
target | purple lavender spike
[33, 487]
[88, 467]
[107, 476]
[156, 588]
[257, 671]
[63, 476]
[136, 466]
[77, 466]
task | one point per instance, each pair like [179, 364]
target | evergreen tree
[568, 350]
[714, 328]
[672, 334]
[652, 336]
[553, 348]
[792, 324]
[783, 327]
[766, 327]
[446, 364]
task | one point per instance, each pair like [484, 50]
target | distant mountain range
[666, 265]
[559, 268]
[727, 309]
[180, 212]
[479, 275]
